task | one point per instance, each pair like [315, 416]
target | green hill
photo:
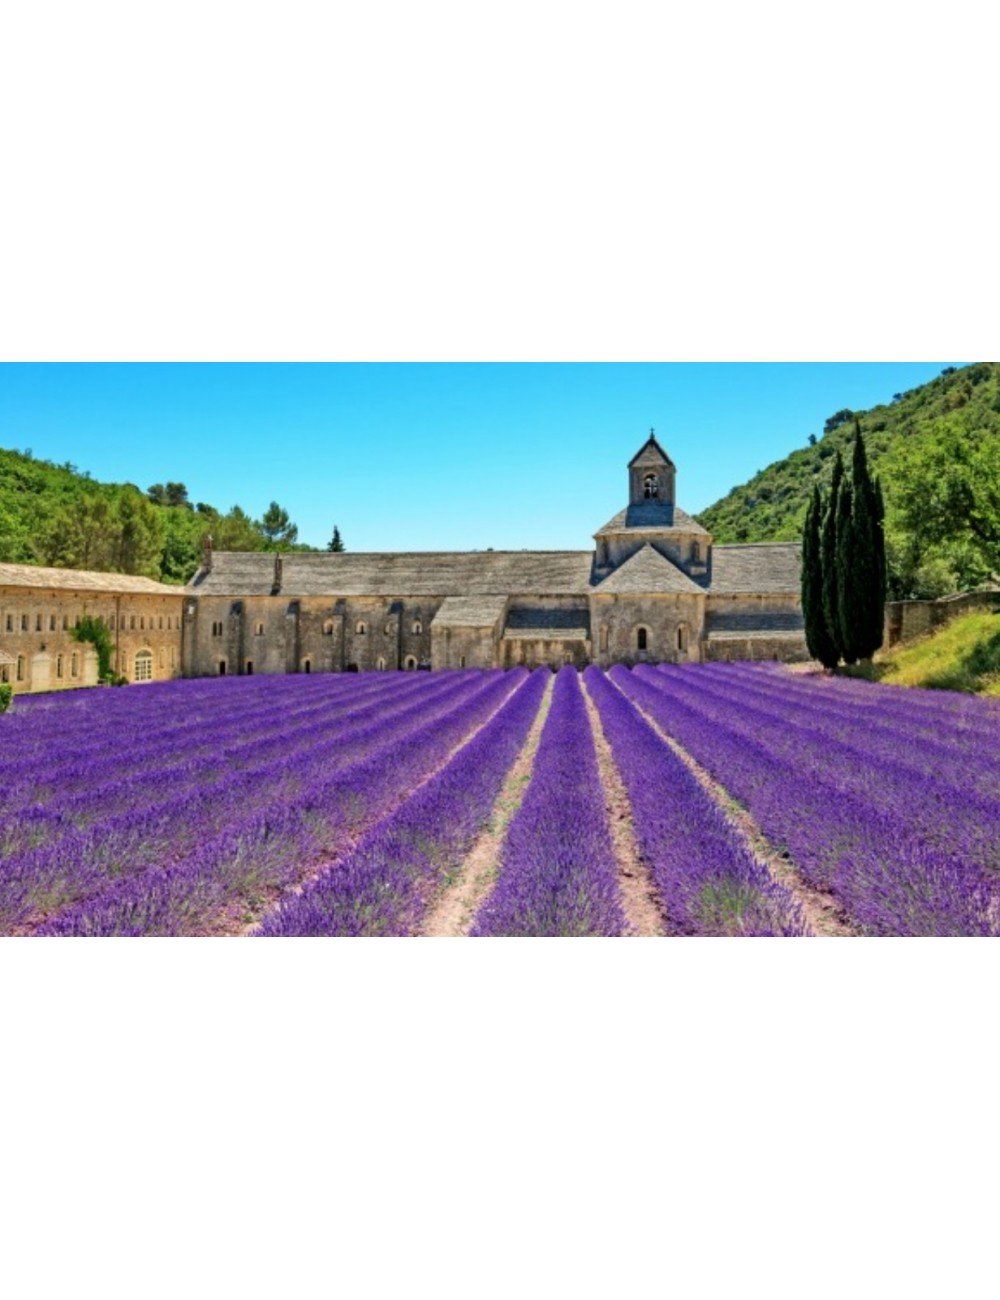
[54, 514]
[936, 450]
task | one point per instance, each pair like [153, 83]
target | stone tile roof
[758, 567]
[645, 573]
[413, 573]
[542, 633]
[649, 453]
[759, 634]
[524, 619]
[33, 575]
[470, 611]
[653, 514]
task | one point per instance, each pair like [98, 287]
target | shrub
[6, 695]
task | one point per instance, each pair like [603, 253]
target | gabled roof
[648, 573]
[470, 611]
[757, 567]
[394, 573]
[34, 575]
[649, 452]
[647, 515]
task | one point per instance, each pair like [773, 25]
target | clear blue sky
[428, 457]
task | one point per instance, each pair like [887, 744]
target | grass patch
[962, 656]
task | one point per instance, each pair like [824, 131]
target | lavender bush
[557, 870]
[707, 879]
[824, 810]
[384, 886]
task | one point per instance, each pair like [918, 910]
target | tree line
[52, 514]
[844, 564]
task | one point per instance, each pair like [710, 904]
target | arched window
[20, 668]
[388, 629]
[603, 639]
[73, 666]
[409, 663]
[418, 627]
[143, 666]
[65, 622]
[249, 667]
[222, 667]
[259, 629]
[328, 627]
[163, 657]
[650, 487]
[307, 666]
[52, 622]
[161, 622]
[642, 638]
[58, 665]
[380, 665]
[361, 629]
[461, 661]
[682, 636]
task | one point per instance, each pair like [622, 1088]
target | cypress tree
[845, 556]
[818, 638]
[868, 553]
[828, 557]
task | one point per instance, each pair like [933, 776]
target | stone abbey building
[654, 587]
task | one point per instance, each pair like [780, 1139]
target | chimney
[276, 588]
[206, 553]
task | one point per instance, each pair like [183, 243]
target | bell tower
[652, 479]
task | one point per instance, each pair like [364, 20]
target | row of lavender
[202, 848]
[707, 879]
[864, 811]
[385, 885]
[558, 874]
[66, 848]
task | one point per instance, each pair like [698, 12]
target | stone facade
[653, 588]
[40, 607]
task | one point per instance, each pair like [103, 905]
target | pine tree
[818, 638]
[828, 556]
[336, 542]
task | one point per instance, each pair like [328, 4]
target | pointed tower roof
[651, 453]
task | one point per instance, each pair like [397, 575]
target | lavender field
[705, 800]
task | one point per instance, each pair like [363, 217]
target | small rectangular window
[10, 622]
[52, 622]
[38, 622]
[24, 622]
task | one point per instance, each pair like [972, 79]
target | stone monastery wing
[764, 568]
[648, 573]
[33, 575]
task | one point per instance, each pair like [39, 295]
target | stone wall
[673, 625]
[35, 634]
[906, 619]
[276, 634]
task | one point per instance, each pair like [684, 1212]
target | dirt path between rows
[823, 914]
[640, 902]
[452, 913]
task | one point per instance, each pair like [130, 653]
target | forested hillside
[936, 450]
[54, 514]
